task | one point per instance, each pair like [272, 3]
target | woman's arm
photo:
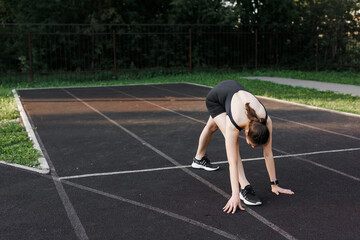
[232, 148]
[270, 163]
[231, 144]
[268, 154]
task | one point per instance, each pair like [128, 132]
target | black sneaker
[249, 197]
[204, 163]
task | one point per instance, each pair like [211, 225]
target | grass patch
[8, 109]
[16, 147]
[351, 78]
[324, 99]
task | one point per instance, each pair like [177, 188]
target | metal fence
[34, 51]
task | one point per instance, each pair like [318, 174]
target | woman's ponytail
[252, 116]
[258, 131]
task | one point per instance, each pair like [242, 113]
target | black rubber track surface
[138, 142]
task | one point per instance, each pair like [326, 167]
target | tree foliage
[313, 12]
[282, 32]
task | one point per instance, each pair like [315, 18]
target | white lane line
[184, 94]
[317, 128]
[303, 105]
[287, 155]
[122, 172]
[154, 104]
[289, 102]
[69, 208]
[155, 209]
[286, 120]
[305, 160]
[188, 166]
[323, 166]
[204, 181]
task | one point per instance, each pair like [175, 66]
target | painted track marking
[204, 181]
[286, 120]
[305, 125]
[69, 208]
[155, 209]
[189, 166]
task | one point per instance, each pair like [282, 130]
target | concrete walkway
[322, 86]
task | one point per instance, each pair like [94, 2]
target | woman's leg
[205, 137]
[248, 195]
[221, 123]
[242, 178]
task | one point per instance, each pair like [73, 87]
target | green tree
[200, 12]
[337, 20]
[317, 12]
[266, 11]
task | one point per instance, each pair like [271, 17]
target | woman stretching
[232, 108]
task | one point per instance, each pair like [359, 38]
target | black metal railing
[104, 51]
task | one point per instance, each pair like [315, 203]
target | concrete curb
[44, 167]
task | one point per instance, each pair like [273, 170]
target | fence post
[190, 43]
[317, 50]
[256, 50]
[30, 58]
[114, 50]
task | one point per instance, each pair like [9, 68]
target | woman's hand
[232, 204]
[277, 190]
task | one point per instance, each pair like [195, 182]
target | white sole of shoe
[198, 166]
[249, 203]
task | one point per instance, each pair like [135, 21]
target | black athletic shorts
[219, 98]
